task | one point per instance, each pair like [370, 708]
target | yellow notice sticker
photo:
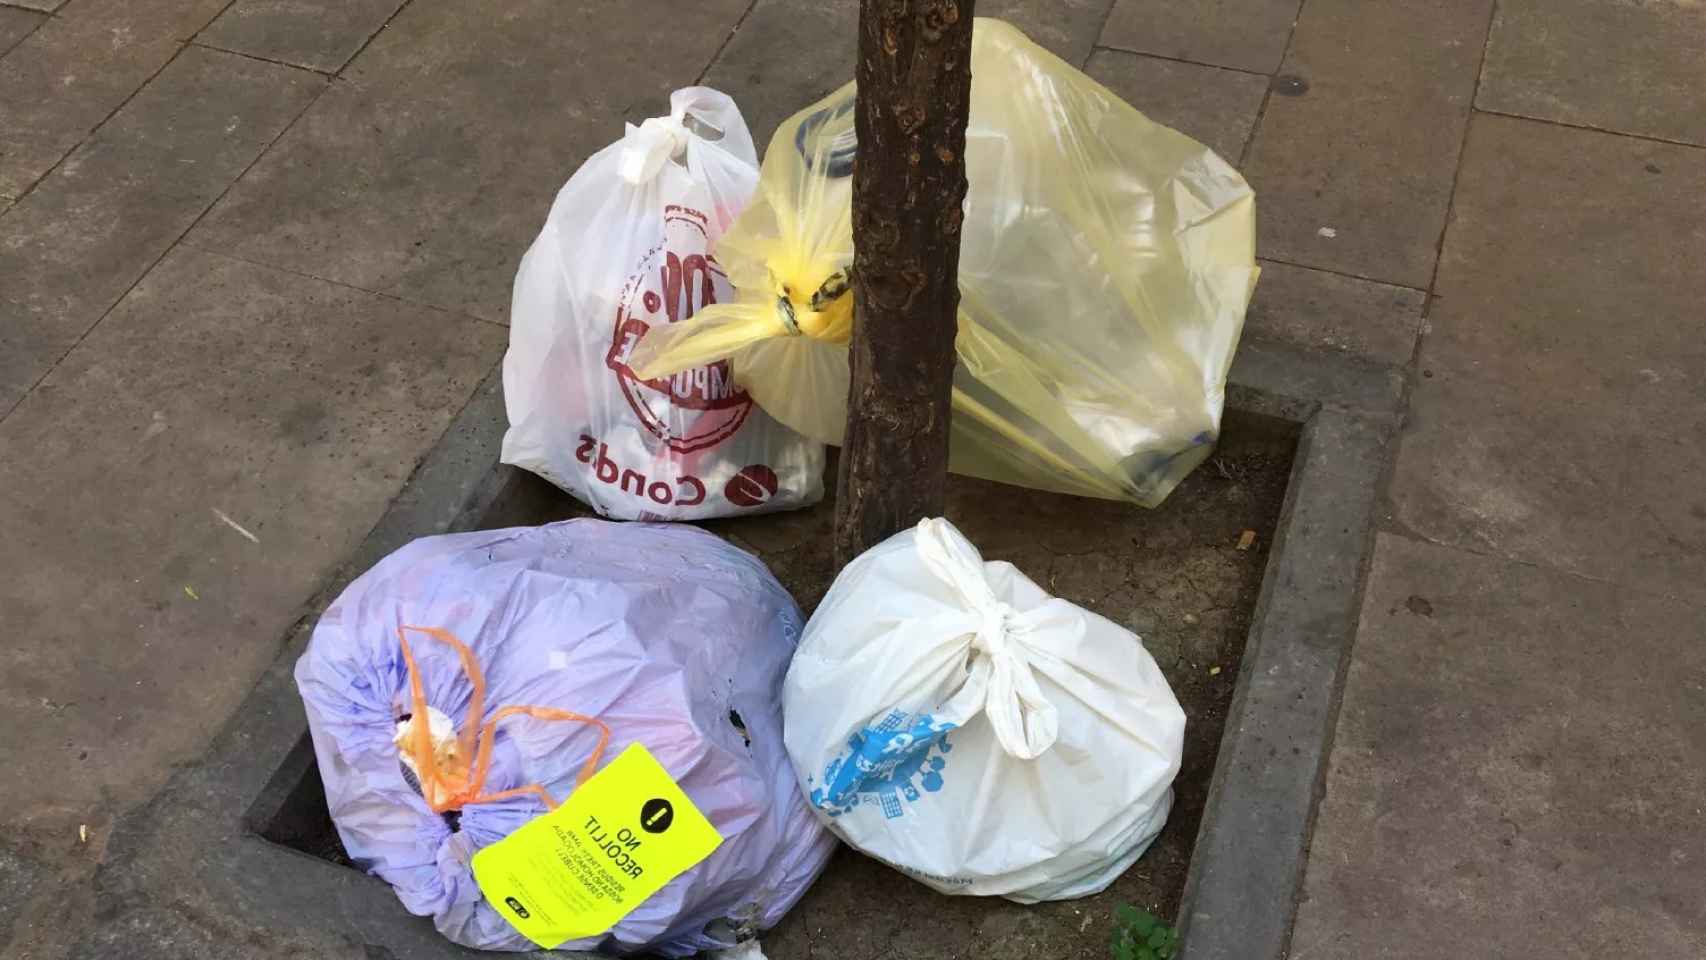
[577, 870]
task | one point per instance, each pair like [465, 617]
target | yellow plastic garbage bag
[1105, 265]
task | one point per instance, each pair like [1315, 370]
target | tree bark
[909, 181]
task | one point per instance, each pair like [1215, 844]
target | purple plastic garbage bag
[671, 637]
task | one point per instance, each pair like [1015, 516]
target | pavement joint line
[258, 57]
[7, 413]
[1457, 171]
[1390, 524]
[717, 54]
[1591, 129]
[54, 14]
[1412, 374]
[339, 72]
[45, 17]
[1111, 48]
[96, 128]
[1340, 273]
[210, 21]
[1382, 489]
[1101, 28]
[1393, 527]
[1268, 94]
[228, 255]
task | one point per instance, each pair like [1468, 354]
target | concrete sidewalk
[255, 255]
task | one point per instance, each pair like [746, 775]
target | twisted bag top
[951, 718]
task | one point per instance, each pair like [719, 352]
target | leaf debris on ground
[226, 519]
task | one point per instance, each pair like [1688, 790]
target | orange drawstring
[474, 742]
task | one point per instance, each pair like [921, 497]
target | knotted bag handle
[475, 740]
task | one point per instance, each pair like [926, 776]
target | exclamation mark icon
[656, 815]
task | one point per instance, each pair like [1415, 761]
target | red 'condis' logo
[752, 487]
[693, 409]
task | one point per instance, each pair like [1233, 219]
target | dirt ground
[1173, 575]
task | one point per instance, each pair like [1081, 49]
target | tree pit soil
[1177, 576]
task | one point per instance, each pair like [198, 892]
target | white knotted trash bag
[949, 717]
[630, 245]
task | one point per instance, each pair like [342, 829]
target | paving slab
[1241, 34]
[180, 485]
[1558, 417]
[1630, 67]
[1214, 106]
[767, 69]
[178, 932]
[763, 66]
[45, 6]
[15, 25]
[1067, 28]
[1354, 158]
[72, 73]
[1518, 770]
[72, 247]
[432, 191]
[317, 34]
[153, 934]
[1313, 308]
[19, 877]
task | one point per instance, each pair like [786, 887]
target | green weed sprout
[1140, 935]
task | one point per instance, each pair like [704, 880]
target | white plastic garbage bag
[949, 717]
[628, 246]
[543, 659]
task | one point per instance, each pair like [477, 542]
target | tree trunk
[909, 180]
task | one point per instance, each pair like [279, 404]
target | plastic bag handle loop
[955, 561]
[647, 147]
[695, 113]
[1025, 723]
[475, 739]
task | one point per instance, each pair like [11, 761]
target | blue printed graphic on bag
[897, 757]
